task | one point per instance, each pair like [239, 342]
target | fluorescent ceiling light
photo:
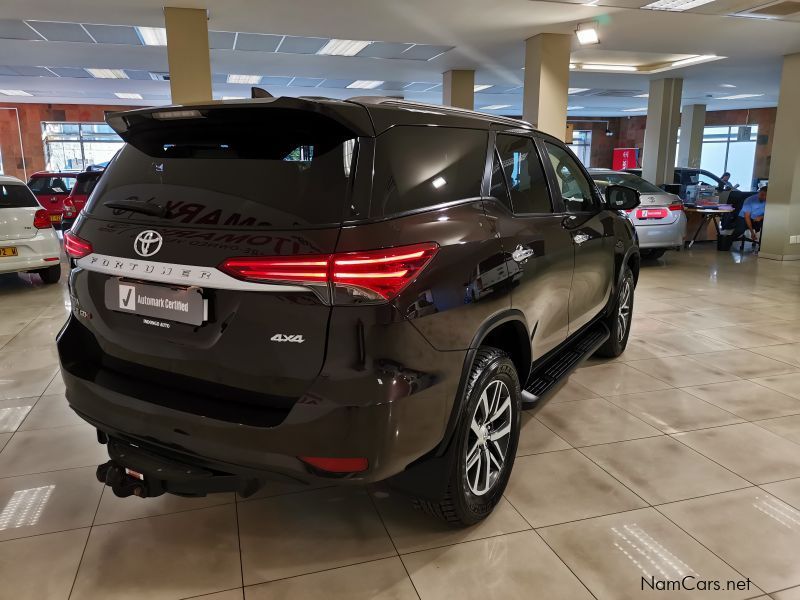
[739, 96]
[609, 68]
[438, 182]
[152, 36]
[128, 95]
[107, 73]
[479, 87]
[365, 84]
[246, 79]
[727, 85]
[343, 47]
[571, 66]
[587, 34]
[693, 59]
[675, 5]
[233, 97]
[645, 95]
[577, 90]
[495, 106]
[574, 107]
[638, 109]
[15, 93]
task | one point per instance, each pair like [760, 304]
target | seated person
[751, 217]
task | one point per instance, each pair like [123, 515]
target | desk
[708, 214]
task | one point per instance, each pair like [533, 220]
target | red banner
[625, 158]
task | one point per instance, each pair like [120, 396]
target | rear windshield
[16, 196]
[290, 169]
[59, 184]
[85, 184]
[626, 179]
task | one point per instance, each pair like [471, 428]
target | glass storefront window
[729, 148]
[582, 145]
[69, 146]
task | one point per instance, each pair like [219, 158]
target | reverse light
[336, 465]
[76, 247]
[41, 220]
[375, 275]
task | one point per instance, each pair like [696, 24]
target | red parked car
[78, 196]
[51, 190]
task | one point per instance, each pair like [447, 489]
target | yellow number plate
[8, 251]
[55, 218]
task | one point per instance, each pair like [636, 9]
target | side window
[420, 167]
[499, 188]
[574, 187]
[527, 183]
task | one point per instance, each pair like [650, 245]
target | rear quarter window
[16, 196]
[421, 167]
[58, 184]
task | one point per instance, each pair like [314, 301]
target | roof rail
[399, 102]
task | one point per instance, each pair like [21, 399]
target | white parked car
[28, 242]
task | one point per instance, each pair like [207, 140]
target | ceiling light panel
[365, 84]
[625, 68]
[694, 59]
[637, 109]
[574, 107]
[495, 107]
[107, 73]
[337, 47]
[244, 79]
[676, 5]
[587, 34]
[577, 90]
[152, 36]
[480, 87]
[739, 96]
[15, 93]
[128, 95]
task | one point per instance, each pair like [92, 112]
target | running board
[555, 369]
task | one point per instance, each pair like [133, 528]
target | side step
[547, 376]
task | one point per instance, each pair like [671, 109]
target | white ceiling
[486, 36]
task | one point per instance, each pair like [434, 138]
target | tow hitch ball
[123, 485]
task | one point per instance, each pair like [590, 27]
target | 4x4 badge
[281, 337]
[147, 243]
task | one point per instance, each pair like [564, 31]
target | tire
[50, 274]
[619, 320]
[472, 491]
[653, 254]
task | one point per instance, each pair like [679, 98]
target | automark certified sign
[147, 243]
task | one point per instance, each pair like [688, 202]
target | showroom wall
[629, 133]
[31, 117]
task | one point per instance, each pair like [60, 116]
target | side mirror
[620, 197]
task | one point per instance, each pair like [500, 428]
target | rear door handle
[521, 253]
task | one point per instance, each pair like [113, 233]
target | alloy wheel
[489, 437]
[624, 310]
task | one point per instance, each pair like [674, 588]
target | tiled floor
[682, 457]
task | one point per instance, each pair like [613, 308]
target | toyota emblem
[147, 243]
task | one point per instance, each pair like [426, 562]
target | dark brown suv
[312, 290]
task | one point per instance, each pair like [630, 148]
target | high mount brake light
[41, 219]
[378, 275]
[76, 247]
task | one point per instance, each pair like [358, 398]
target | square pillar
[661, 130]
[459, 89]
[782, 218]
[693, 121]
[188, 54]
[544, 97]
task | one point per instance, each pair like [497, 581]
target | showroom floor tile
[636, 467]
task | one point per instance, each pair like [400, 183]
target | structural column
[693, 121]
[661, 131]
[188, 54]
[544, 97]
[459, 89]
[782, 218]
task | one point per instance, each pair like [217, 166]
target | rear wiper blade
[146, 208]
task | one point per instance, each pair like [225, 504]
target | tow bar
[124, 482]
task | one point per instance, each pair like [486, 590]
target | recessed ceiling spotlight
[107, 73]
[15, 93]
[739, 96]
[152, 36]
[587, 34]
[577, 90]
[637, 109]
[128, 95]
[609, 68]
[245, 79]
[365, 84]
[694, 59]
[337, 47]
[495, 106]
[675, 5]
[479, 87]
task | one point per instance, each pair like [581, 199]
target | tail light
[375, 275]
[677, 206]
[41, 219]
[76, 247]
[336, 465]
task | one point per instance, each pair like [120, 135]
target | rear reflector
[41, 220]
[76, 247]
[378, 274]
[677, 206]
[336, 465]
[51, 259]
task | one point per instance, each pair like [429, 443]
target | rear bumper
[388, 413]
[662, 236]
[32, 253]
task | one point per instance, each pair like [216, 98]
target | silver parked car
[659, 220]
